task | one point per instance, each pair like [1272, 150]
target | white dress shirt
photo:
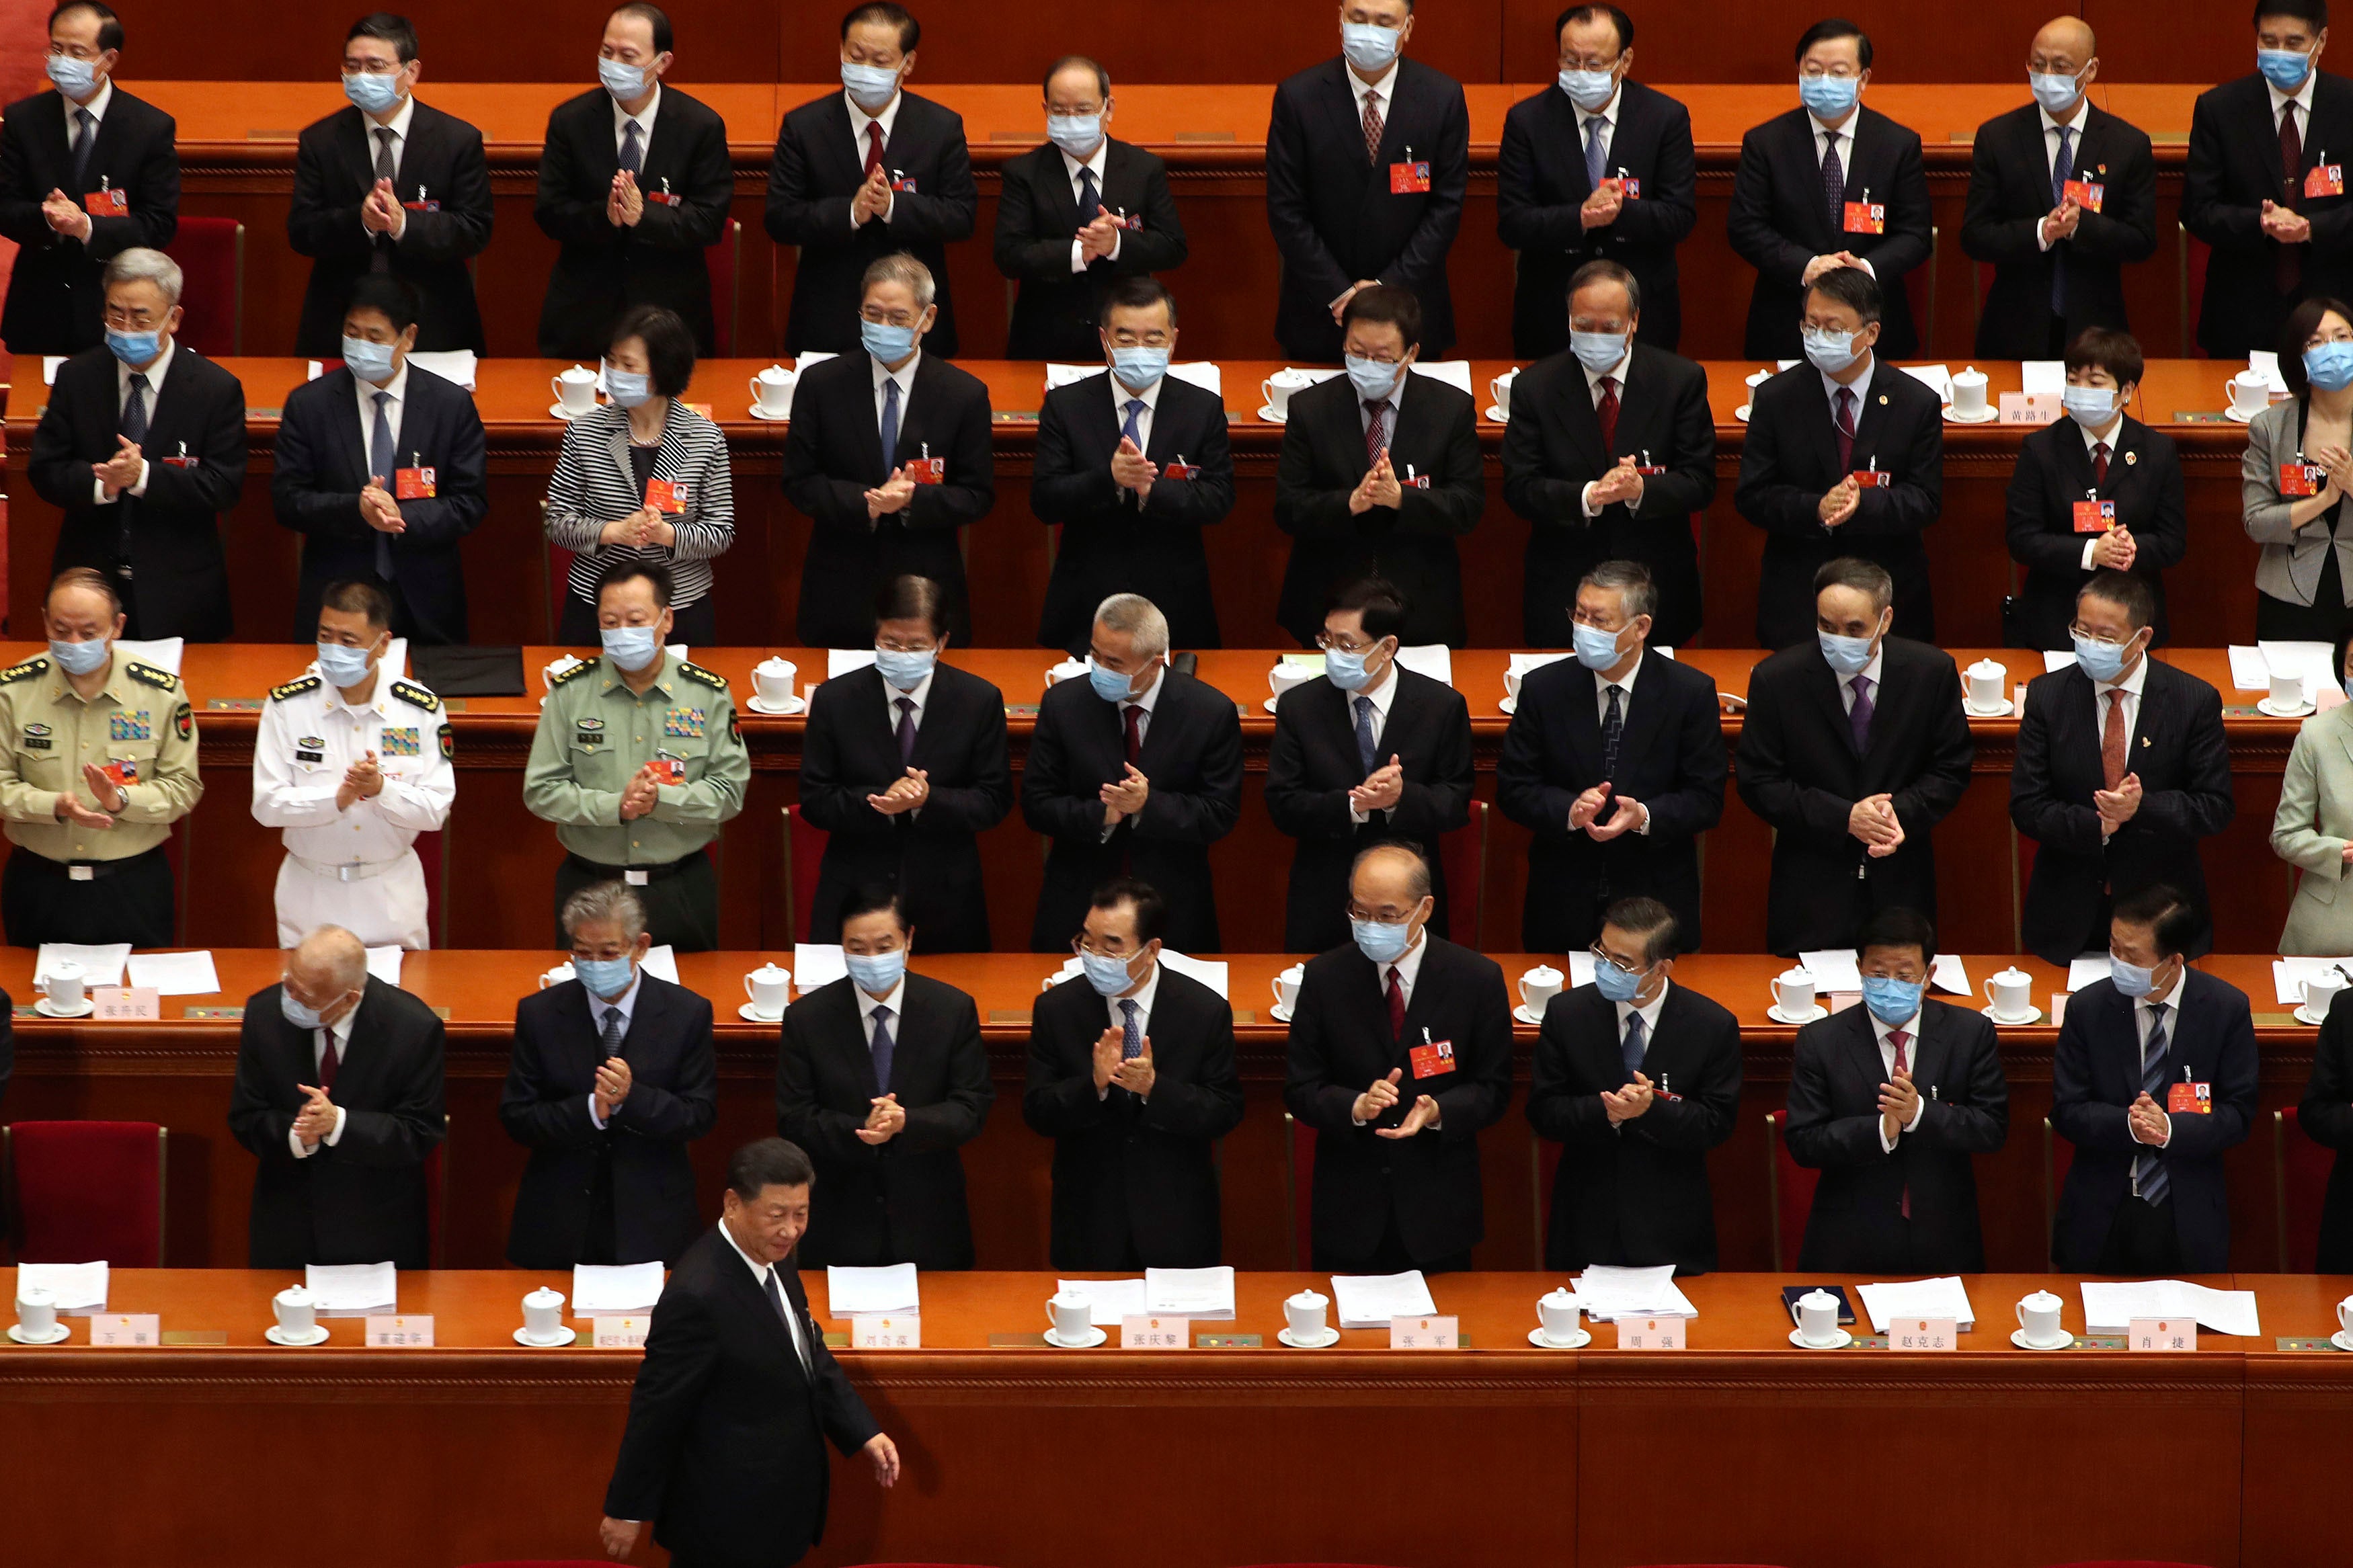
[2301, 98]
[1608, 115]
[1859, 386]
[1649, 1012]
[2144, 1008]
[919, 694]
[1365, 420]
[122, 374]
[1911, 1027]
[342, 1030]
[1071, 166]
[1593, 380]
[1122, 395]
[73, 112]
[904, 376]
[622, 119]
[1143, 705]
[867, 1004]
[859, 120]
[1382, 695]
[627, 1006]
[398, 387]
[399, 126]
[1143, 997]
[760, 1272]
[2075, 125]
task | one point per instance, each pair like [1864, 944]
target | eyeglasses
[1079, 945]
[1357, 912]
[892, 645]
[1601, 957]
[1841, 70]
[2081, 633]
[1332, 642]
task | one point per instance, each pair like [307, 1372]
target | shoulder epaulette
[416, 695]
[151, 676]
[36, 665]
[576, 671]
[296, 687]
[694, 671]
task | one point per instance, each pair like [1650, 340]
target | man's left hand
[1135, 1074]
[1421, 1114]
[883, 1454]
[618, 1536]
[101, 788]
[1630, 814]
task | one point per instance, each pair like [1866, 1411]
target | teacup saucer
[277, 1336]
[1520, 1011]
[1266, 412]
[1537, 1337]
[1324, 1341]
[1984, 417]
[1509, 704]
[1279, 1013]
[2231, 413]
[785, 709]
[752, 1015]
[1995, 710]
[58, 1334]
[1496, 415]
[765, 418]
[1270, 702]
[561, 1337]
[2031, 1015]
[2301, 710]
[1092, 1337]
[1797, 1338]
[1741, 414]
[2302, 1016]
[560, 411]
[2017, 1337]
[2341, 1339]
[1779, 1016]
[47, 1010]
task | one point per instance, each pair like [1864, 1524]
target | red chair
[919, 1565]
[720, 257]
[2129, 1563]
[1920, 293]
[436, 1197]
[1707, 1565]
[1544, 1167]
[1310, 1565]
[428, 855]
[544, 1562]
[1462, 854]
[1789, 1191]
[804, 855]
[1298, 1186]
[2058, 1156]
[81, 1190]
[2300, 1170]
[211, 253]
[2191, 255]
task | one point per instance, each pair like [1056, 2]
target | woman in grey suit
[2312, 830]
[2294, 479]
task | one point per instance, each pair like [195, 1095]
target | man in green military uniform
[98, 759]
[637, 761]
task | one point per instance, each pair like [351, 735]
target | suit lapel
[1164, 719]
[1584, 424]
[1641, 718]
[617, 445]
[1823, 683]
[1062, 205]
[1584, 723]
[1862, 1046]
[854, 1041]
[355, 144]
[1932, 1050]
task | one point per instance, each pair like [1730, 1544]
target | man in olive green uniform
[637, 761]
[98, 759]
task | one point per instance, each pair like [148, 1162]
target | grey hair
[606, 903]
[1630, 580]
[899, 268]
[341, 957]
[1604, 270]
[140, 264]
[1867, 577]
[1140, 618]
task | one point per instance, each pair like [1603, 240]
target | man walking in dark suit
[1614, 761]
[1131, 1075]
[1078, 215]
[1597, 168]
[2152, 1080]
[2122, 768]
[1134, 771]
[86, 173]
[1400, 1056]
[1610, 455]
[1844, 458]
[143, 448]
[1889, 1101]
[2061, 194]
[1829, 185]
[1367, 158]
[1370, 753]
[737, 1396]
[889, 455]
[389, 185]
[613, 1075]
[381, 468]
[863, 173]
[338, 1094]
[1631, 1187]
[2258, 191]
[1379, 471]
[905, 766]
[1131, 465]
[634, 183]
[1853, 750]
[882, 1075]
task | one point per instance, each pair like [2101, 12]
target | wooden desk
[511, 1449]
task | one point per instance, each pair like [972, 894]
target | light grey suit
[2290, 567]
[2311, 829]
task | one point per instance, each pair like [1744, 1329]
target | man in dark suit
[903, 765]
[1131, 465]
[2122, 768]
[1853, 750]
[2152, 1080]
[389, 185]
[889, 455]
[1829, 185]
[1367, 158]
[883, 1078]
[1131, 1075]
[338, 1094]
[382, 474]
[634, 183]
[1076, 216]
[737, 1394]
[2325, 1115]
[1631, 1187]
[86, 173]
[1615, 762]
[2100, 456]
[150, 522]
[1379, 471]
[1371, 753]
[1135, 770]
[2256, 188]
[1609, 454]
[1400, 1056]
[864, 173]
[1844, 457]
[1889, 1101]
[1596, 168]
[2061, 194]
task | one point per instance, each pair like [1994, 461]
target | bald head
[2065, 47]
[328, 972]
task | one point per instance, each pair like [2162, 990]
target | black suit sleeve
[1457, 493]
[1056, 1103]
[1768, 782]
[1985, 234]
[1701, 1116]
[1309, 1090]
[1060, 491]
[1206, 815]
[297, 496]
[1442, 802]
[1022, 253]
[1913, 501]
[406, 1133]
[1160, 244]
[1550, 499]
[1051, 803]
[2202, 806]
[1689, 484]
[20, 193]
[254, 1121]
[1289, 214]
[154, 189]
[2209, 208]
[1204, 500]
[1944, 775]
[1696, 802]
[316, 223]
[1481, 1089]
[1522, 222]
[975, 808]
[2326, 1113]
[1977, 1121]
[682, 1354]
[2075, 1115]
[1420, 263]
[944, 214]
[2203, 1137]
[685, 1111]
[696, 219]
[1818, 1137]
[826, 1134]
[2163, 540]
[214, 481]
[1750, 223]
[810, 486]
[1910, 222]
[2036, 539]
[2036, 809]
[534, 1114]
[1210, 1105]
[1556, 1110]
[461, 495]
[1768, 494]
[1524, 793]
[462, 227]
[958, 1119]
[848, 1424]
[969, 490]
[564, 211]
[1297, 809]
[1304, 507]
[796, 214]
[2125, 230]
[830, 798]
[1668, 209]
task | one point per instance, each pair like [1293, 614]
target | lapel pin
[2144, 739]
[1883, 400]
[2131, 457]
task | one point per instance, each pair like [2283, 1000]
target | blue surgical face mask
[905, 669]
[372, 93]
[2103, 661]
[1109, 684]
[627, 388]
[877, 973]
[1597, 351]
[1590, 91]
[630, 647]
[871, 87]
[1848, 656]
[1381, 943]
[1372, 378]
[603, 977]
[2329, 366]
[1107, 973]
[81, 657]
[1890, 1001]
[1829, 352]
[1828, 96]
[1346, 670]
[2091, 405]
[1076, 134]
[369, 361]
[134, 349]
[1615, 984]
[299, 1014]
[2053, 92]
[1369, 48]
[885, 342]
[2131, 979]
[74, 78]
[1140, 369]
[2284, 69]
[1595, 649]
[622, 80]
[342, 665]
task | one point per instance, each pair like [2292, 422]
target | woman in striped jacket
[643, 476]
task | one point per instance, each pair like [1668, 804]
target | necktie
[2099, 463]
[1368, 748]
[1632, 1047]
[329, 1059]
[1131, 715]
[2150, 1180]
[382, 460]
[1858, 717]
[785, 1313]
[1898, 1039]
[1594, 152]
[1133, 428]
[1131, 1035]
[1372, 127]
[906, 731]
[2287, 269]
[882, 1047]
[87, 124]
[1843, 406]
[2059, 167]
[1090, 196]
[1613, 729]
[380, 257]
[890, 425]
[1606, 413]
[609, 1041]
[1396, 1005]
[1834, 183]
[1376, 432]
[2114, 744]
[873, 147]
[633, 152]
[134, 410]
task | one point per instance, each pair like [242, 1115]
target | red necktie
[328, 1061]
[1133, 715]
[2100, 463]
[2114, 748]
[1372, 127]
[1606, 411]
[1898, 1038]
[2288, 270]
[1396, 1005]
[1376, 433]
[1844, 403]
[873, 147]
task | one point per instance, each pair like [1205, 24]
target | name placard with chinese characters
[1424, 1333]
[1138, 1331]
[403, 1332]
[126, 1331]
[886, 1332]
[2162, 1335]
[618, 1333]
[1649, 1333]
[1923, 1334]
[126, 1004]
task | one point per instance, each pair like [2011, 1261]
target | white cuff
[1078, 255]
[2042, 233]
[294, 1141]
[97, 495]
[2168, 1139]
[1643, 826]
[1585, 500]
[891, 207]
[1115, 241]
[1867, 266]
[140, 488]
[2089, 545]
[1358, 817]
[336, 1135]
[1919, 1110]
[595, 1120]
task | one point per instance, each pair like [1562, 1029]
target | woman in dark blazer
[2304, 582]
[2326, 1116]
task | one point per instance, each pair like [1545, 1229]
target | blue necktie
[382, 461]
[2149, 1179]
[632, 154]
[610, 1040]
[1131, 1039]
[882, 1047]
[1132, 429]
[1632, 1049]
[1368, 748]
[1090, 197]
[2058, 194]
[1594, 152]
[890, 425]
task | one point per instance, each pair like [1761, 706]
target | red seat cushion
[210, 253]
[86, 1191]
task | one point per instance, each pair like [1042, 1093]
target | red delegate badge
[2095, 516]
[667, 495]
[928, 471]
[2086, 195]
[107, 204]
[1872, 478]
[1409, 179]
[121, 771]
[2190, 1100]
[1432, 1058]
[412, 484]
[1866, 217]
[669, 770]
[2324, 180]
[1180, 469]
[1630, 187]
[2301, 478]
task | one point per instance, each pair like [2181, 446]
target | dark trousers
[695, 624]
[681, 899]
[2141, 1240]
[124, 901]
[1389, 1257]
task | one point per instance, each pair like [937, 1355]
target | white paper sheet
[2043, 375]
[810, 357]
[662, 962]
[164, 653]
[353, 1290]
[1833, 968]
[2310, 660]
[1204, 1294]
[175, 974]
[2288, 974]
[2250, 671]
[1211, 972]
[2110, 1308]
[2086, 969]
[1940, 1298]
[1936, 378]
[100, 964]
[49, 364]
[1948, 974]
[2057, 661]
[816, 963]
[1454, 372]
[1580, 969]
[77, 1288]
[2265, 363]
[890, 1289]
[1611, 1293]
[450, 365]
[383, 963]
[615, 1291]
[1520, 663]
[1435, 661]
[1108, 1301]
[1370, 1301]
[842, 660]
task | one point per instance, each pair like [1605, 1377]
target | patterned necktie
[1595, 152]
[1898, 1039]
[882, 1049]
[1858, 717]
[1613, 729]
[610, 1040]
[1131, 715]
[1367, 748]
[382, 460]
[1130, 1032]
[1843, 406]
[873, 148]
[134, 410]
[329, 1060]
[1834, 183]
[906, 731]
[1090, 196]
[890, 425]
[1606, 413]
[2100, 464]
[785, 1313]
[83, 145]
[2288, 268]
[1632, 1045]
[1372, 127]
[2150, 1180]
[1376, 431]
[2059, 167]
[380, 253]
[633, 152]
[2115, 743]
[1396, 1005]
